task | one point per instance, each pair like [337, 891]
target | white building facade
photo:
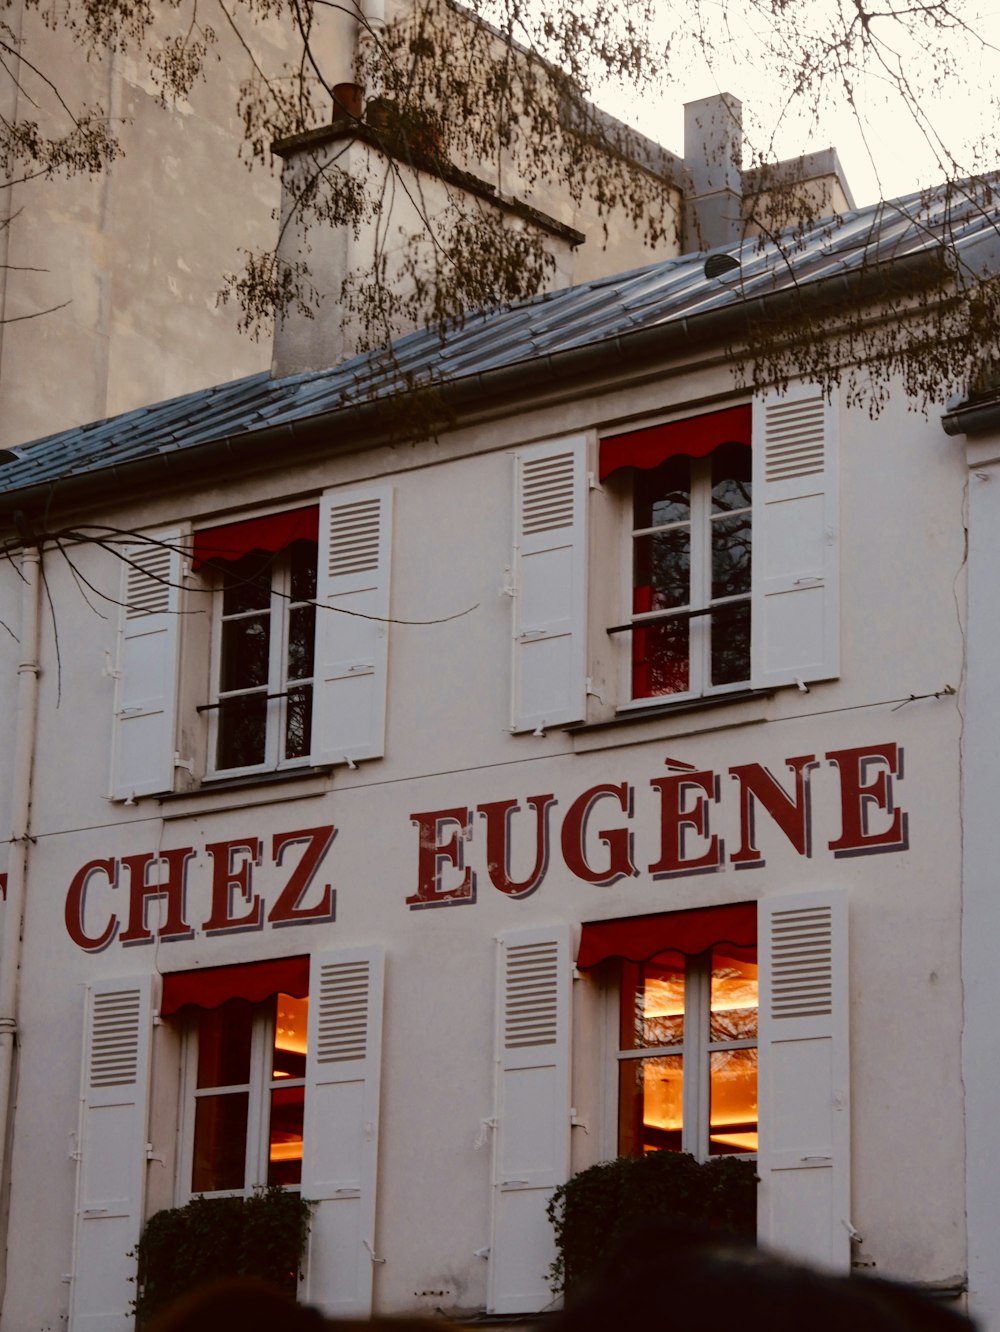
[363, 789]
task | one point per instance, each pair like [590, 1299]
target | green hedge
[182, 1248]
[590, 1211]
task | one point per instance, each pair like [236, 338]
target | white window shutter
[550, 565]
[112, 1154]
[146, 691]
[340, 1140]
[532, 1141]
[795, 592]
[355, 530]
[804, 1158]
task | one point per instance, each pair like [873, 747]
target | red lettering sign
[498, 818]
[676, 819]
[433, 854]
[864, 797]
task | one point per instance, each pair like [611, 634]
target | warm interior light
[743, 1142]
[291, 1024]
[286, 1151]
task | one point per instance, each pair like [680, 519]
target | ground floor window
[687, 1058]
[245, 1071]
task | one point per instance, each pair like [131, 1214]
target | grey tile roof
[585, 315]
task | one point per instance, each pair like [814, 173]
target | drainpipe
[10, 949]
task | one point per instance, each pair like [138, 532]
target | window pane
[242, 731]
[224, 1044]
[662, 570]
[301, 638]
[731, 643]
[290, 1027]
[247, 583]
[734, 998]
[302, 568]
[298, 722]
[731, 555]
[245, 647]
[655, 1016]
[663, 494]
[660, 658]
[731, 473]
[733, 1101]
[285, 1142]
[650, 1101]
[220, 1142]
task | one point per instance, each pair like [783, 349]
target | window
[246, 1070]
[691, 549]
[298, 666]
[687, 1063]
[265, 654]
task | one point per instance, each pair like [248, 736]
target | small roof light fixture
[718, 264]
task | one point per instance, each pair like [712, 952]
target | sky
[890, 156]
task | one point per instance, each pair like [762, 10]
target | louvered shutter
[146, 690]
[804, 1157]
[340, 1151]
[795, 633]
[352, 641]
[112, 1154]
[532, 1141]
[550, 562]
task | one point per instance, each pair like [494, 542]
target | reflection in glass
[220, 1142]
[224, 1044]
[656, 1017]
[650, 1098]
[290, 1027]
[661, 658]
[733, 1102]
[285, 1141]
[731, 643]
[732, 466]
[733, 1003]
[246, 646]
[242, 731]
[662, 495]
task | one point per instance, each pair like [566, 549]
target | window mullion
[260, 1089]
[277, 665]
[696, 1064]
[701, 572]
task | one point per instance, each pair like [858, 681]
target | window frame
[695, 1049]
[259, 1087]
[278, 686]
[701, 605]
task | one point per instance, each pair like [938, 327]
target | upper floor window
[265, 656]
[691, 564]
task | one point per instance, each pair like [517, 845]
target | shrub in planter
[590, 1211]
[182, 1248]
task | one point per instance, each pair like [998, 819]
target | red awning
[641, 938]
[272, 533]
[208, 987]
[695, 437]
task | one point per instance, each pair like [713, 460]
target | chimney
[713, 160]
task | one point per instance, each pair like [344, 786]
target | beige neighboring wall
[132, 258]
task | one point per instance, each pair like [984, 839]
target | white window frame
[259, 1089]
[696, 1050]
[278, 683]
[699, 648]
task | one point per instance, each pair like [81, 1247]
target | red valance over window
[208, 987]
[695, 437]
[272, 533]
[677, 933]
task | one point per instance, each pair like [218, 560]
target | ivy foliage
[591, 1211]
[208, 1239]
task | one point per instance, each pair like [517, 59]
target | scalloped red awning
[272, 533]
[208, 987]
[695, 437]
[668, 935]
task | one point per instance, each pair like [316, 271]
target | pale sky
[961, 108]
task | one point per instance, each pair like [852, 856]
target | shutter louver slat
[343, 1013]
[803, 963]
[147, 587]
[354, 538]
[531, 1011]
[795, 438]
[547, 502]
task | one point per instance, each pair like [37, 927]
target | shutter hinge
[183, 763]
[150, 1156]
[371, 1252]
[508, 588]
[575, 1122]
[855, 1235]
[592, 482]
[73, 1152]
[109, 669]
